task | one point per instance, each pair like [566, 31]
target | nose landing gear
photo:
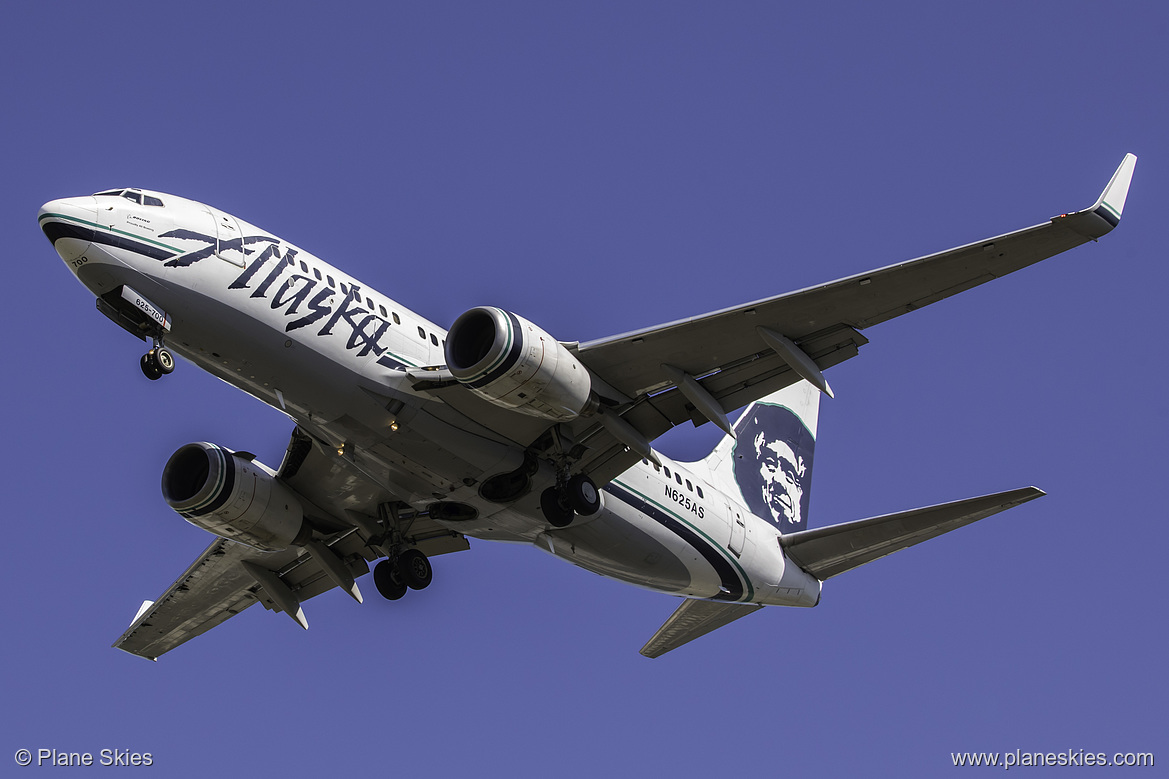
[157, 362]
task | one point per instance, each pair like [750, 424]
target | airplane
[409, 439]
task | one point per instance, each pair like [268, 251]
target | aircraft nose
[68, 223]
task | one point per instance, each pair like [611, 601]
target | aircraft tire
[583, 495]
[164, 359]
[149, 369]
[388, 580]
[555, 511]
[415, 569]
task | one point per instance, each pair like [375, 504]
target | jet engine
[512, 363]
[232, 496]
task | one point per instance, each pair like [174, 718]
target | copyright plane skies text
[410, 439]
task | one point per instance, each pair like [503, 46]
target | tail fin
[768, 465]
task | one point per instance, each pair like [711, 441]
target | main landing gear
[404, 568]
[577, 495]
[410, 571]
[157, 362]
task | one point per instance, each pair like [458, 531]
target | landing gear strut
[404, 568]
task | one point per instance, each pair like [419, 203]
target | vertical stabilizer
[768, 465]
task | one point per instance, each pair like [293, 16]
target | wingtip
[1026, 494]
[1110, 206]
[1104, 215]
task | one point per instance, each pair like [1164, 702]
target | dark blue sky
[597, 168]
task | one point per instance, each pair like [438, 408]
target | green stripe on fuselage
[750, 589]
[108, 229]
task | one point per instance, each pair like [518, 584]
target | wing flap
[217, 586]
[212, 590]
[828, 551]
[694, 619]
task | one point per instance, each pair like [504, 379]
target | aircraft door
[229, 244]
[738, 531]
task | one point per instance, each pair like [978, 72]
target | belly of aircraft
[613, 547]
[621, 542]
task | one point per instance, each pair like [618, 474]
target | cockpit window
[129, 194]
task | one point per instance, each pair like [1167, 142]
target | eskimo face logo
[773, 466]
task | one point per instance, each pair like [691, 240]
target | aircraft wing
[229, 576]
[733, 361]
[825, 552]
[218, 586]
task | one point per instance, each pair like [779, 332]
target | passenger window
[369, 304]
[422, 334]
[382, 311]
[396, 320]
[434, 339]
[700, 492]
[317, 273]
[303, 268]
[657, 468]
[689, 486]
[344, 290]
[330, 278]
[667, 470]
[678, 478]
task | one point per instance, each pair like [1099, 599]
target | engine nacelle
[233, 497]
[512, 363]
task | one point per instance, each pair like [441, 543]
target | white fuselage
[333, 354]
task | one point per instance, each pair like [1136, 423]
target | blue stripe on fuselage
[55, 230]
[730, 581]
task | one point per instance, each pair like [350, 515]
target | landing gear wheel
[149, 368]
[555, 508]
[163, 359]
[415, 569]
[583, 495]
[388, 580]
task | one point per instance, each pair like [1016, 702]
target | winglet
[146, 604]
[1111, 202]
[1104, 215]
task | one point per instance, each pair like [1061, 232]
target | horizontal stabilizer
[694, 619]
[827, 551]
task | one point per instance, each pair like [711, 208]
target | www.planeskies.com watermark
[1070, 757]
